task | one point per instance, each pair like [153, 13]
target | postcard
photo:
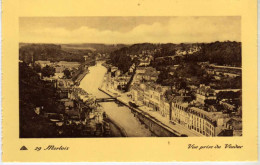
[135, 81]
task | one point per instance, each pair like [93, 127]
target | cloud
[179, 29]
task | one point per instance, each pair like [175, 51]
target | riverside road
[120, 114]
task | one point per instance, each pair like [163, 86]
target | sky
[129, 30]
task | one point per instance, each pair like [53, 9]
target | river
[120, 114]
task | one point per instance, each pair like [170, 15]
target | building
[68, 103]
[146, 74]
[226, 71]
[164, 107]
[59, 69]
[197, 119]
[132, 68]
[180, 114]
[121, 82]
[140, 70]
[117, 73]
[43, 63]
[67, 64]
[137, 93]
[152, 95]
[205, 93]
[236, 125]
[113, 69]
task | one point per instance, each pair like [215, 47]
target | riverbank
[119, 113]
[116, 130]
[80, 77]
[154, 125]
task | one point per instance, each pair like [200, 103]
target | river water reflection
[120, 114]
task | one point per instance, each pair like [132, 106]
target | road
[120, 114]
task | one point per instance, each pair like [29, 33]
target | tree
[67, 73]
[37, 68]
[48, 71]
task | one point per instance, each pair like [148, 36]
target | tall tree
[67, 73]
[48, 71]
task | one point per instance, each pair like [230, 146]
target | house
[164, 107]
[151, 74]
[146, 74]
[236, 125]
[152, 95]
[137, 93]
[113, 69]
[117, 73]
[132, 68]
[197, 119]
[121, 81]
[67, 102]
[140, 70]
[68, 64]
[230, 105]
[43, 63]
[59, 69]
[144, 62]
[58, 75]
[180, 113]
[205, 93]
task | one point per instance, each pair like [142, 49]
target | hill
[50, 52]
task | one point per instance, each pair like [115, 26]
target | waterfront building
[121, 82]
[137, 93]
[164, 107]
[152, 95]
[180, 114]
[197, 119]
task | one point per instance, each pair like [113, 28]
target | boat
[133, 104]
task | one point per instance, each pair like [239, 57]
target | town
[172, 89]
[207, 110]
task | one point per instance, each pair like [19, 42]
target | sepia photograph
[117, 77]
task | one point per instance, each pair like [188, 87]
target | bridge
[98, 100]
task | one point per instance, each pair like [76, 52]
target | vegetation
[67, 73]
[49, 52]
[220, 53]
[33, 93]
[120, 59]
[102, 48]
[48, 71]
[229, 95]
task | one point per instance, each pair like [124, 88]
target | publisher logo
[23, 148]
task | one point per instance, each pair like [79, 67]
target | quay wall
[80, 77]
[155, 126]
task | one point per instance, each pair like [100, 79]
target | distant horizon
[129, 30]
[79, 43]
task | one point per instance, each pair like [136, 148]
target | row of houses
[197, 114]
[221, 71]
[191, 50]
[59, 66]
[189, 113]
